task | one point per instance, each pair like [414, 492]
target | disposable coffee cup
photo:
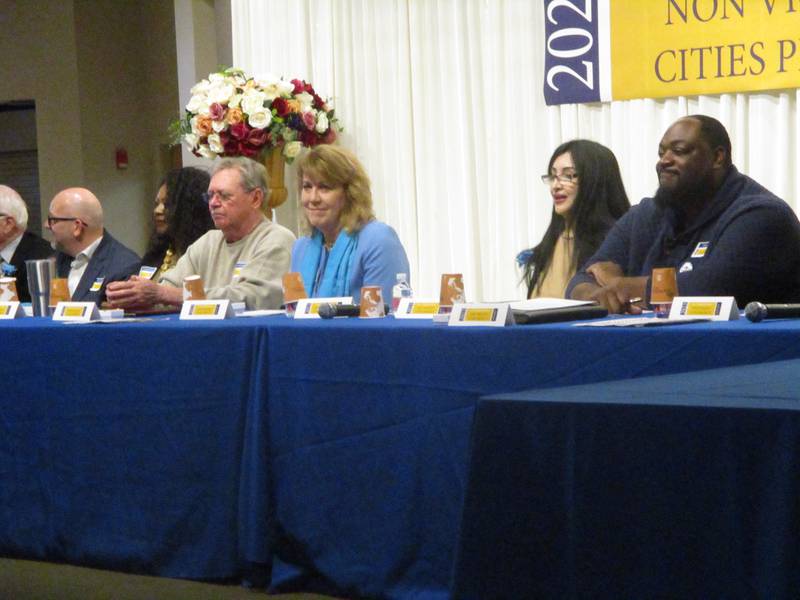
[371, 305]
[451, 291]
[8, 289]
[193, 288]
[59, 292]
[40, 273]
[663, 289]
[293, 290]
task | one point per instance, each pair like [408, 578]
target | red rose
[258, 137]
[217, 111]
[231, 147]
[281, 106]
[299, 86]
[308, 138]
[329, 137]
[240, 131]
[318, 103]
[247, 150]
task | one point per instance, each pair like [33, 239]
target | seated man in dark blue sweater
[724, 234]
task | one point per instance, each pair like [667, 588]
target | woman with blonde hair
[346, 247]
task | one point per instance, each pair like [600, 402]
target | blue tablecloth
[682, 486]
[339, 449]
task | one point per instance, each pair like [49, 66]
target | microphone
[328, 310]
[755, 311]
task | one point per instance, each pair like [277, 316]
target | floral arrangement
[231, 114]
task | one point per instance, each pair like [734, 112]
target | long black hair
[187, 214]
[600, 201]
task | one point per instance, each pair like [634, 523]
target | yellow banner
[684, 47]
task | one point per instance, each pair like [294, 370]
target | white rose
[235, 101]
[221, 93]
[191, 140]
[219, 126]
[196, 102]
[289, 134]
[271, 90]
[206, 152]
[201, 87]
[253, 101]
[215, 144]
[259, 120]
[286, 88]
[322, 123]
[306, 101]
[292, 149]
[216, 78]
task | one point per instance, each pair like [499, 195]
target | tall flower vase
[276, 165]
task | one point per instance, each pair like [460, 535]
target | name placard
[79, 312]
[308, 308]
[713, 308]
[11, 310]
[206, 310]
[146, 272]
[416, 308]
[480, 315]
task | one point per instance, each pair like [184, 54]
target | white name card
[713, 308]
[416, 308]
[146, 272]
[308, 308]
[11, 310]
[206, 310]
[481, 315]
[77, 312]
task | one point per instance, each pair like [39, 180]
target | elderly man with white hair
[88, 256]
[16, 244]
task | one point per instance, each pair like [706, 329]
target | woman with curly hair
[588, 197]
[180, 216]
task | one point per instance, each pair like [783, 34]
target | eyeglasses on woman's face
[566, 178]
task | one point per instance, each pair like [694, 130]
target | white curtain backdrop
[442, 101]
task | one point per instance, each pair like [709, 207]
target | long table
[680, 486]
[336, 451]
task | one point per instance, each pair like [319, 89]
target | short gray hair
[252, 173]
[12, 204]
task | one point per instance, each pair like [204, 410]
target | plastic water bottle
[400, 290]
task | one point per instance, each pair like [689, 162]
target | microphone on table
[328, 310]
[756, 311]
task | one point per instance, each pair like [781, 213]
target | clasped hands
[614, 291]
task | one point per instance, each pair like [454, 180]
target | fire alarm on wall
[122, 158]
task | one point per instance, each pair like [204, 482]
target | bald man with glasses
[87, 254]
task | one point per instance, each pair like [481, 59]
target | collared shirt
[8, 251]
[79, 263]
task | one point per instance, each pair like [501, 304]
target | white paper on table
[264, 312]
[651, 321]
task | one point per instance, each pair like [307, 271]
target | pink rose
[258, 137]
[299, 86]
[308, 120]
[217, 111]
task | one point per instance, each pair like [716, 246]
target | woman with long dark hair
[180, 216]
[588, 197]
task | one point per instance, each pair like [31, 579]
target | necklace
[169, 260]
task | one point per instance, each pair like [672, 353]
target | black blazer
[112, 261]
[31, 247]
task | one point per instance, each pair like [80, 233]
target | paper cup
[59, 291]
[663, 288]
[193, 288]
[372, 302]
[451, 291]
[8, 289]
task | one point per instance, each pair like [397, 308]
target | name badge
[480, 315]
[79, 312]
[147, 272]
[206, 310]
[413, 308]
[308, 308]
[11, 310]
[97, 285]
[713, 308]
[237, 269]
[701, 249]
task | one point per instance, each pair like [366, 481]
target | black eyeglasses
[563, 178]
[51, 220]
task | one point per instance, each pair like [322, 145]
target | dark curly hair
[187, 214]
[600, 201]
